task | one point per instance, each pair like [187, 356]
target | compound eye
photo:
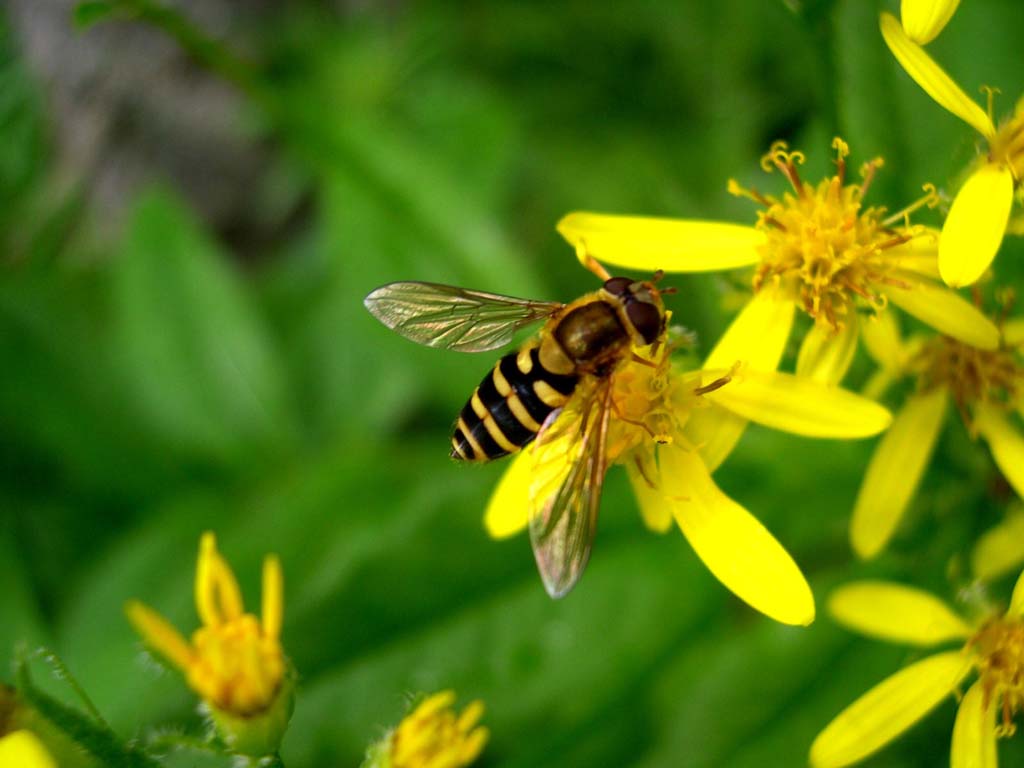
[646, 319]
[618, 286]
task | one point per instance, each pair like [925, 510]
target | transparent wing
[569, 464]
[454, 318]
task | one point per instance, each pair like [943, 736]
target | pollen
[823, 242]
[647, 402]
[973, 376]
[434, 736]
[999, 646]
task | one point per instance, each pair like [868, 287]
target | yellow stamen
[825, 244]
[990, 97]
[999, 646]
[780, 157]
[930, 199]
[973, 376]
[1006, 147]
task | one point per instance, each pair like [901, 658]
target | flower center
[973, 376]
[236, 667]
[1007, 146]
[1000, 648]
[823, 242]
[642, 403]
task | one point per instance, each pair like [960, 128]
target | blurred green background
[184, 347]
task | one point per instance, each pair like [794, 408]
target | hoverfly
[555, 387]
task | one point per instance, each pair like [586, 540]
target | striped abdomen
[508, 408]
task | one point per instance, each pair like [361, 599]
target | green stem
[62, 672]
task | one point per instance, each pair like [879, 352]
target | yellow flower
[22, 749]
[980, 213]
[234, 661]
[433, 736]
[817, 247]
[654, 410]
[994, 648]
[985, 385]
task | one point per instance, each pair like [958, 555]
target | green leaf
[539, 665]
[91, 12]
[195, 354]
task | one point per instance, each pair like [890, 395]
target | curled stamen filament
[930, 199]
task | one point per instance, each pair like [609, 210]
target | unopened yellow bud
[432, 736]
[234, 661]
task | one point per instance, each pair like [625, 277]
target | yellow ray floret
[923, 20]
[992, 648]
[975, 225]
[932, 78]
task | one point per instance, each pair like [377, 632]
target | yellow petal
[1000, 549]
[674, 245]
[826, 354]
[896, 613]
[924, 19]
[1013, 332]
[22, 749]
[975, 225]
[887, 710]
[792, 404]
[882, 339]
[714, 431]
[947, 312]
[272, 613]
[974, 732]
[733, 544]
[159, 634]
[1005, 442]
[932, 78]
[655, 510]
[508, 511]
[919, 255]
[1017, 601]
[756, 337]
[894, 472]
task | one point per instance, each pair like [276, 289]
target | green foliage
[157, 383]
[91, 735]
[88, 13]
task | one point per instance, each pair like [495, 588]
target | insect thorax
[591, 334]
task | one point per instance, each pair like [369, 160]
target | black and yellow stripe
[508, 408]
